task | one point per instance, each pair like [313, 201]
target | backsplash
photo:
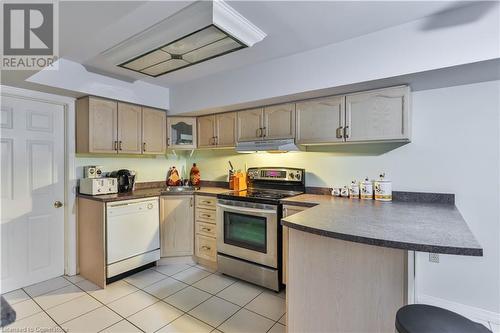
[148, 168]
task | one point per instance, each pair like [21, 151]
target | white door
[32, 180]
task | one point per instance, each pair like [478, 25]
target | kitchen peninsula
[348, 259]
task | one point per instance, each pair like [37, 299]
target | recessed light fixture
[201, 31]
[201, 45]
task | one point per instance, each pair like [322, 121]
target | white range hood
[267, 145]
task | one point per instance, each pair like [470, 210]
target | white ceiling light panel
[201, 31]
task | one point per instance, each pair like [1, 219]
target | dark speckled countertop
[414, 226]
[151, 192]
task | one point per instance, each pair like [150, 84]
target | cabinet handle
[204, 247]
[115, 145]
[206, 202]
[168, 141]
[144, 146]
[346, 132]
[263, 132]
[340, 132]
[191, 202]
[216, 142]
[206, 215]
[206, 229]
[119, 145]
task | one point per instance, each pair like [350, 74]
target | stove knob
[291, 176]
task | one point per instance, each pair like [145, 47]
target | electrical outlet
[434, 257]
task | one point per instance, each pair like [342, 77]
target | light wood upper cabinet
[378, 115]
[279, 121]
[250, 125]
[206, 131]
[129, 128]
[320, 120]
[225, 125]
[217, 130]
[96, 130]
[176, 225]
[181, 132]
[154, 131]
[107, 126]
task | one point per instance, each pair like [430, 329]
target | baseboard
[176, 260]
[468, 311]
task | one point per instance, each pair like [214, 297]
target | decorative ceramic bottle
[194, 176]
[383, 189]
[354, 190]
[366, 188]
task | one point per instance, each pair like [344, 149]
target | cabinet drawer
[206, 247]
[205, 215]
[205, 229]
[205, 202]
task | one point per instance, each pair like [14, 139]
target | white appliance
[92, 171]
[95, 186]
[132, 234]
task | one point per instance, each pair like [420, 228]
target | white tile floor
[166, 299]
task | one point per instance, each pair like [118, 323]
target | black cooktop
[258, 195]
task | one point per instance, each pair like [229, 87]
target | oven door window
[246, 231]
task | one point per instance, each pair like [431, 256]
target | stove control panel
[276, 174]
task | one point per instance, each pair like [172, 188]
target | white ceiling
[87, 28]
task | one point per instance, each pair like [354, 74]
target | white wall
[455, 149]
[147, 168]
[465, 35]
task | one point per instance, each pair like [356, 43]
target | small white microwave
[96, 186]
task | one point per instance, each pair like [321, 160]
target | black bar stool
[421, 318]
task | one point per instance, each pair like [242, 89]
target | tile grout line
[241, 307]
[43, 310]
[104, 305]
[158, 299]
[215, 295]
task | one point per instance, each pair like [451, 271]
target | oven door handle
[248, 210]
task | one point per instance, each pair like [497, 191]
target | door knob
[58, 204]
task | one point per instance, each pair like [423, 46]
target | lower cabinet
[176, 225]
[287, 211]
[206, 247]
[205, 226]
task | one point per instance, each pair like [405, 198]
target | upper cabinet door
[250, 126]
[206, 131]
[320, 120]
[279, 121]
[129, 128]
[181, 132]
[378, 115]
[154, 131]
[102, 128]
[225, 124]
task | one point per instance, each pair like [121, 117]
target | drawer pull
[206, 229]
[206, 202]
[204, 247]
[206, 215]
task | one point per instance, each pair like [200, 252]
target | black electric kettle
[125, 179]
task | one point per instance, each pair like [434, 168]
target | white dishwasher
[132, 234]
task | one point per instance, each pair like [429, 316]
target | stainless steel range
[248, 228]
